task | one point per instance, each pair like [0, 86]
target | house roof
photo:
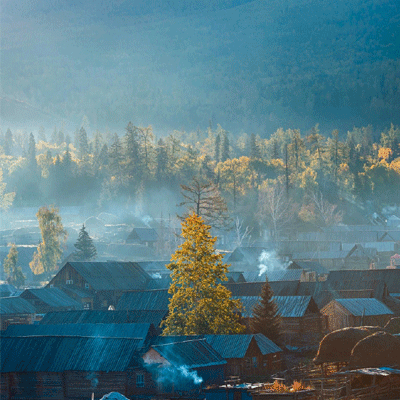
[145, 300]
[249, 255]
[106, 317]
[311, 266]
[67, 353]
[15, 305]
[288, 306]
[368, 307]
[143, 235]
[132, 331]
[228, 346]
[112, 275]
[7, 290]
[360, 279]
[53, 297]
[273, 276]
[195, 353]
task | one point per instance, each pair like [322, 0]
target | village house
[144, 236]
[104, 281]
[301, 320]
[343, 313]
[184, 366]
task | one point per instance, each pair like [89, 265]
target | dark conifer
[266, 319]
[86, 250]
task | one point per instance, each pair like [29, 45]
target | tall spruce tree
[86, 250]
[266, 319]
[200, 304]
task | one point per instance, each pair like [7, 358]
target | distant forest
[311, 180]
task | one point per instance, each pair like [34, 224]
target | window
[69, 282]
[254, 362]
[86, 286]
[139, 380]
[51, 285]
[87, 306]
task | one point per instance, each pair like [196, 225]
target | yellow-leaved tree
[200, 304]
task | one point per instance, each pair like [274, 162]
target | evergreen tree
[217, 148]
[86, 250]
[162, 170]
[255, 151]
[266, 319]
[8, 142]
[14, 273]
[83, 144]
[200, 304]
[225, 147]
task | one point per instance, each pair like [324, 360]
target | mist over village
[199, 200]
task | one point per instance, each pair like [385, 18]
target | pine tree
[14, 273]
[86, 249]
[266, 319]
[200, 304]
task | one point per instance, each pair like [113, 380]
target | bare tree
[240, 234]
[275, 208]
[204, 199]
[325, 213]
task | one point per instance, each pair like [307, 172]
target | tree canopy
[200, 304]
[11, 268]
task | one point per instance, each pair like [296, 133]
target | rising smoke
[269, 261]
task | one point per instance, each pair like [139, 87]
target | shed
[15, 310]
[343, 313]
[50, 299]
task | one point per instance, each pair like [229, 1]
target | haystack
[337, 345]
[380, 349]
[393, 326]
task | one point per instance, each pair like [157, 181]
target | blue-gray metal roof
[7, 290]
[359, 307]
[107, 317]
[288, 306]
[112, 275]
[66, 353]
[15, 305]
[132, 331]
[266, 346]
[228, 346]
[273, 276]
[144, 300]
[54, 297]
[143, 234]
[196, 353]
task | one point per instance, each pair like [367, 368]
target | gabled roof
[113, 275]
[15, 305]
[311, 266]
[66, 353]
[228, 346]
[145, 300]
[196, 353]
[7, 290]
[53, 297]
[142, 235]
[249, 255]
[368, 307]
[288, 306]
[106, 317]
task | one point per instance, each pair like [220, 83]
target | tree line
[261, 179]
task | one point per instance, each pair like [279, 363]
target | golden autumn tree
[200, 304]
[54, 236]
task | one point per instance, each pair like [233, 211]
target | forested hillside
[252, 65]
